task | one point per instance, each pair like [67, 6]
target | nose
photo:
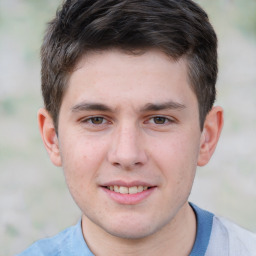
[127, 148]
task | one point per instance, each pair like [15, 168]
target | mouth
[127, 190]
[128, 194]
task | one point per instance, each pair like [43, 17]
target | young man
[129, 87]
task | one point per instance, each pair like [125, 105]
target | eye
[160, 120]
[95, 120]
[160, 123]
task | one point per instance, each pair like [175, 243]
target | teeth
[133, 190]
[140, 188]
[123, 190]
[127, 190]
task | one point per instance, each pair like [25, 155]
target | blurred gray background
[34, 201]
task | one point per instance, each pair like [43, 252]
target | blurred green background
[34, 201]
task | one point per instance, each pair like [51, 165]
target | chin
[130, 234]
[132, 230]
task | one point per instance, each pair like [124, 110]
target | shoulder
[68, 242]
[238, 236]
[231, 239]
[49, 246]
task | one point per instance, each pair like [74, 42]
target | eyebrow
[83, 106]
[163, 106]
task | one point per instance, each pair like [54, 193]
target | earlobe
[212, 129]
[49, 136]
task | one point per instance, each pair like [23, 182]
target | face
[129, 140]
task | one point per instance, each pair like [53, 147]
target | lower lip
[129, 199]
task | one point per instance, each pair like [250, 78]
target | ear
[49, 136]
[212, 128]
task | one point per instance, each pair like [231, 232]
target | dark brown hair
[180, 28]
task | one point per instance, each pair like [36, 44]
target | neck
[175, 238]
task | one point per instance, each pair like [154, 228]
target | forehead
[147, 58]
[114, 74]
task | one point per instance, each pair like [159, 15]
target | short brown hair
[180, 28]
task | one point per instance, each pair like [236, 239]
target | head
[180, 29]
[128, 89]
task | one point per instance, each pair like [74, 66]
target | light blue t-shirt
[215, 237]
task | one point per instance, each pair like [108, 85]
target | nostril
[126, 165]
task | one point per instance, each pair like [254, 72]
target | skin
[132, 120]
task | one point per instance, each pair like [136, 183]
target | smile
[127, 190]
[128, 194]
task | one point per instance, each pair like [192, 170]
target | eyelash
[165, 120]
[89, 120]
[154, 119]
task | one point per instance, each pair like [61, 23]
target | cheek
[177, 157]
[81, 160]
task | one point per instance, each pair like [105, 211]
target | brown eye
[97, 120]
[159, 120]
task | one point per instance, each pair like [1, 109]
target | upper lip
[127, 184]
